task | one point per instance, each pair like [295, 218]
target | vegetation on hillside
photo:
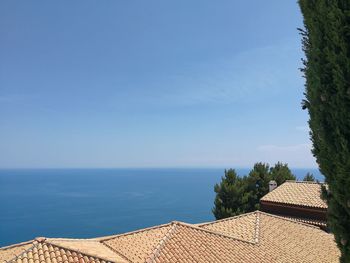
[309, 177]
[326, 43]
[237, 195]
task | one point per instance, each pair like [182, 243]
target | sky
[89, 84]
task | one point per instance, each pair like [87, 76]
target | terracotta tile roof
[188, 243]
[8, 253]
[280, 239]
[314, 222]
[277, 240]
[42, 250]
[91, 247]
[138, 246]
[253, 237]
[242, 227]
[307, 194]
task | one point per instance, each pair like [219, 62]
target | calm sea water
[82, 203]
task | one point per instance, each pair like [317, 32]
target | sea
[85, 203]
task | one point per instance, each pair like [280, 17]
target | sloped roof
[253, 237]
[91, 247]
[42, 250]
[300, 193]
[315, 222]
[242, 227]
[138, 246]
[8, 253]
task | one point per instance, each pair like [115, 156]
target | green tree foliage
[236, 195]
[228, 195]
[256, 186]
[309, 177]
[281, 173]
[326, 43]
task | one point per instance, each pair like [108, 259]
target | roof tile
[306, 194]
[253, 237]
[40, 252]
[138, 246]
[8, 253]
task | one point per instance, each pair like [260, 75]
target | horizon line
[143, 167]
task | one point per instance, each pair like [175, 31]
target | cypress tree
[326, 43]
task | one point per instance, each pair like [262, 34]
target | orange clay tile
[307, 194]
[252, 237]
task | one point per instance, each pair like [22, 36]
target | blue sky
[151, 84]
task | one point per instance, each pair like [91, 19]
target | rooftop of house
[251, 237]
[299, 193]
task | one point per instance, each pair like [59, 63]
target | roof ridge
[115, 251]
[215, 233]
[102, 239]
[225, 219]
[303, 219]
[302, 182]
[78, 251]
[257, 227]
[293, 204]
[17, 244]
[290, 220]
[162, 242]
[34, 243]
[72, 239]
